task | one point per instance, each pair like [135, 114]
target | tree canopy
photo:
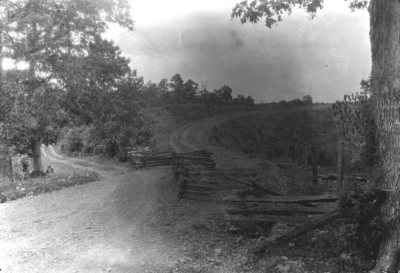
[253, 11]
[68, 60]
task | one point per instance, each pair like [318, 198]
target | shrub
[22, 166]
[77, 140]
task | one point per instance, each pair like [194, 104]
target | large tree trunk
[385, 80]
[36, 143]
[37, 156]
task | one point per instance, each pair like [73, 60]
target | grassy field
[281, 136]
[172, 117]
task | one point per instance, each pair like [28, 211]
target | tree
[224, 94]
[249, 101]
[177, 88]
[151, 93]
[101, 72]
[307, 99]
[204, 95]
[190, 90]
[385, 96]
[357, 116]
[52, 36]
[120, 124]
[240, 99]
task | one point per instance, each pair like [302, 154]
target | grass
[64, 176]
[169, 118]
[279, 135]
[91, 161]
[90, 165]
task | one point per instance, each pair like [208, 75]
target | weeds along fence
[355, 160]
[348, 161]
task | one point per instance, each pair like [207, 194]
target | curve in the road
[194, 136]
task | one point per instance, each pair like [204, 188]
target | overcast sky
[325, 57]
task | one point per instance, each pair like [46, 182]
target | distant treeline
[305, 100]
[179, 91]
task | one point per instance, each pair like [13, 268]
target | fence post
[306, 162]
[306, 155]
[340, 164]
[314, 166]
[298, 153]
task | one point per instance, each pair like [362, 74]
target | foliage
[75, 78]
[178, 91]
[22, 167]
[282, 135]
[57, 39]
[369, 227]
[307, 99]
[254, 10]
[356, 239]
[49, 183]
[358, 123]
[77, 140]
[30, 113]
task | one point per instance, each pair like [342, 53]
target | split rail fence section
[303, 210]
[196, 175]
[194, 182]
[146, 158]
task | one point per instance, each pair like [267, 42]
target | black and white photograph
[187, 136]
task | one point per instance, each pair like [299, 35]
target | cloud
[286, 61]
[234, 39]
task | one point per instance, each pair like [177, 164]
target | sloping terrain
[131, 221]
[88, 228]
[194, 136]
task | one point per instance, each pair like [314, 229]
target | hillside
[134, 222]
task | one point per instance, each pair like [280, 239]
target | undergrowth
[64, 176]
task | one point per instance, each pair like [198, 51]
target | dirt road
[194, 136]
[97, 227]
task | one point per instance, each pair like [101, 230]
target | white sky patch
[161, 12]
[158, 11]
[10, 64]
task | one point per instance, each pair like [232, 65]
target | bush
[22, 166]
[111, 149]
[77, 140]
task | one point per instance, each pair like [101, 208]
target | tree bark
[385, 86]
[37, 156]
[36, 141]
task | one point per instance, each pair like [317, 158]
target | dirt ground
[97, 227]
[129, 221]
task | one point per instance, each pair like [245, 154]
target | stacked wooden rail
[284, 215]
[149, 159]
[139, 151]
[196, 159]
[195, 182]
[252, 208]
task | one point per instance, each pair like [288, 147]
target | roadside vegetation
[82, 93]
[57, 177]
[282, 134]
